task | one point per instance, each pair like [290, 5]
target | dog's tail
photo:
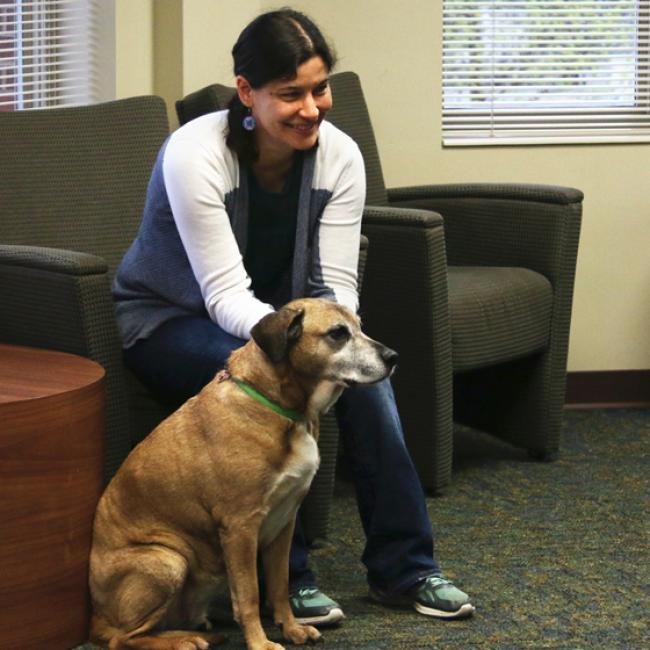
[103, 634]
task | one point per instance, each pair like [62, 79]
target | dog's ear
[275, 332]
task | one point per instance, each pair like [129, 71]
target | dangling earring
[249, 122]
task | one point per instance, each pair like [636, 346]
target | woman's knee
[181, 356]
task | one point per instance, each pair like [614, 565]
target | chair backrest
[76, 177]
[349, 113]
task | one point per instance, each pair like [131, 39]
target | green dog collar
[262, 399]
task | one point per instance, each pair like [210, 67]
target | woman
[247, 209]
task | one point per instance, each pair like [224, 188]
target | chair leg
[544, 456]
[521, 402]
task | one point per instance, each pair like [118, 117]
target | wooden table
[51, 443]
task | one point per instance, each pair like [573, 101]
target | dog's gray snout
[390, 357]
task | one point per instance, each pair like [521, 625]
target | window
[554, 71]
[50, 52]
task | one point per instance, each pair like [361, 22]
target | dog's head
[322, 340]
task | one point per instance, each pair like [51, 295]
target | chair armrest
[514, 191]
[406, 249]
[61, 300]
[406, 271]
[404, 296]
[389, 216]
[53, 297]
[404, 305]
[56, 260]
[533, 226]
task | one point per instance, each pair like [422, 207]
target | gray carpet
[554, 555]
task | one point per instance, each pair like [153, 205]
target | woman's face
[289, 112]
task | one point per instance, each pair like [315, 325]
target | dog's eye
[340, 333]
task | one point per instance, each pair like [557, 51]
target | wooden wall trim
[608, 389]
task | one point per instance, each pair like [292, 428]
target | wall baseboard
[608, 389]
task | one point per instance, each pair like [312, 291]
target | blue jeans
[184, 354]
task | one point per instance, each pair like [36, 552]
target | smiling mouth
[304, 128]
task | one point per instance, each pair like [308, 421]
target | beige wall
[210, 30]
[172, 47]
[395, 47]
[133, 47]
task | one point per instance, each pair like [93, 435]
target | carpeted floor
[554, 555]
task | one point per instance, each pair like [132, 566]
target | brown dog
[220, 480]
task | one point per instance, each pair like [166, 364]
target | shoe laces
[305, 592]
[436, 581]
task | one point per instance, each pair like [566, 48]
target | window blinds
[554, 71]
[47, 57]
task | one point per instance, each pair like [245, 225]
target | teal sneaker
[434, 596]
[311, 606]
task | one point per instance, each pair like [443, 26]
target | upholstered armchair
[479, 309]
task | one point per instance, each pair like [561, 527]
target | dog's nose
[390, 357]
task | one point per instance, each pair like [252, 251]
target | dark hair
[271, 47]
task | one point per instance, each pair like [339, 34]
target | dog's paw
[208, 641]
[192, 643]
[270, 645]
[301, 634]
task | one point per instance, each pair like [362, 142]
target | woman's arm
[340, 232]
[196, 181]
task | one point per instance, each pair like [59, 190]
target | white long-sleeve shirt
[188, 255]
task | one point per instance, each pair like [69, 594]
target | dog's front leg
[275, 558]
[239, 547]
